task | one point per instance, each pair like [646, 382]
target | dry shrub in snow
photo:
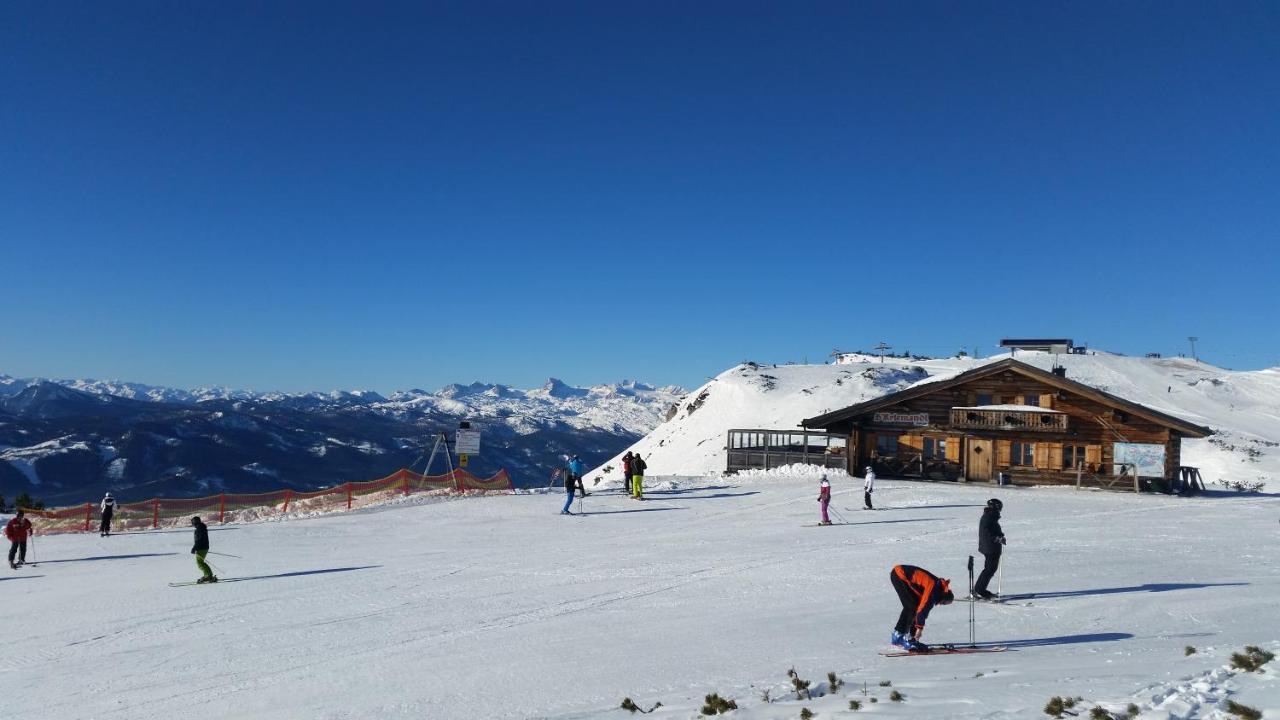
[713, 704]
[834, 682]
[1252, 659]
[1243, 711]
[800, 686]
[629, 705]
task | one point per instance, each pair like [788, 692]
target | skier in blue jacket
[575, 469]
[569, 487]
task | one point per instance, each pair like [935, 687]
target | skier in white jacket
[868, 487]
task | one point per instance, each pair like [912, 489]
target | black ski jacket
[202, 538]
[990, 536]
[638, 465]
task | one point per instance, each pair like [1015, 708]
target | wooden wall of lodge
[1091, 424]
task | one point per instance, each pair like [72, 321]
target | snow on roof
[1015, 408]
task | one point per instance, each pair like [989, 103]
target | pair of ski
[947, 650]
[1007, 600]
[197, 582]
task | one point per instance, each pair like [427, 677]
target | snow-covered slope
[1243, 407]
[497, 607]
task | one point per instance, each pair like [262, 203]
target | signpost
[899, 418]
[467, 442]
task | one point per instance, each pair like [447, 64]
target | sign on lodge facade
[1015, 420]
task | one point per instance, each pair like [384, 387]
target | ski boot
[915, 646]
[897, 639]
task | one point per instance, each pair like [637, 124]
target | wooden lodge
[1015, 421]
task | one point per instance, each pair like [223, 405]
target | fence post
[348, 496]
[155, 513]
[88, 516]
[222, 507]
[287, 494]
[457, 480]
[1079, 466]
[405, 475]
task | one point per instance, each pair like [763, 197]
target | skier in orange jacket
[919, 590]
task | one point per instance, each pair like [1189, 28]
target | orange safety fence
[240, 507]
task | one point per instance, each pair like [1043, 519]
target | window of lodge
[1023, 454]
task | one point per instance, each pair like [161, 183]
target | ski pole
[972, 633]
[225, 555]
[837, 514]
[1000, 577]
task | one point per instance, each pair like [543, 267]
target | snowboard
[947, 650]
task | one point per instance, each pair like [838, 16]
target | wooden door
[981, 457]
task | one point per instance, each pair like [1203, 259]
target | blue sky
[316, 195]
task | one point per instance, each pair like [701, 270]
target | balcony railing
[988, 418]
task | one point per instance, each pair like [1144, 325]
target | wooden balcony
[1009, 418]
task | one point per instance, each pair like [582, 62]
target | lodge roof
[1186, 428]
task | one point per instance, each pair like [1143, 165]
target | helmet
[995, 504]
[108, 494]
[195, 519]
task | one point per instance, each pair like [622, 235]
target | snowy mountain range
[70, 440]
[1239, 405]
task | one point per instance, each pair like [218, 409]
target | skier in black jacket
[108, 510]
[201, 548]
[990, 544]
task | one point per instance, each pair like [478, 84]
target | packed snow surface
[498, 607]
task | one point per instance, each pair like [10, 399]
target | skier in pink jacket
[824, 499]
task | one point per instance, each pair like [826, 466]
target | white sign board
[468, 442]
[1147, 459]
[897, 418]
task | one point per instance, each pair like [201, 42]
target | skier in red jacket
[919, 590]
[18, 530]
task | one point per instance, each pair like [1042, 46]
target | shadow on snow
[883, 522]
[301, 573]
[109, 557]
[637, 510]
[1059, 640]
[927, 507]
[678, 496]
[20, 577]
[1149, 587]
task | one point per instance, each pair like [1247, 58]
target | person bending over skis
[200, 549]
[919, 590]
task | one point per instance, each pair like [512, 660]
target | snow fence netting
[246, 507]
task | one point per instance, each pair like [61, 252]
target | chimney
[1060, 371]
